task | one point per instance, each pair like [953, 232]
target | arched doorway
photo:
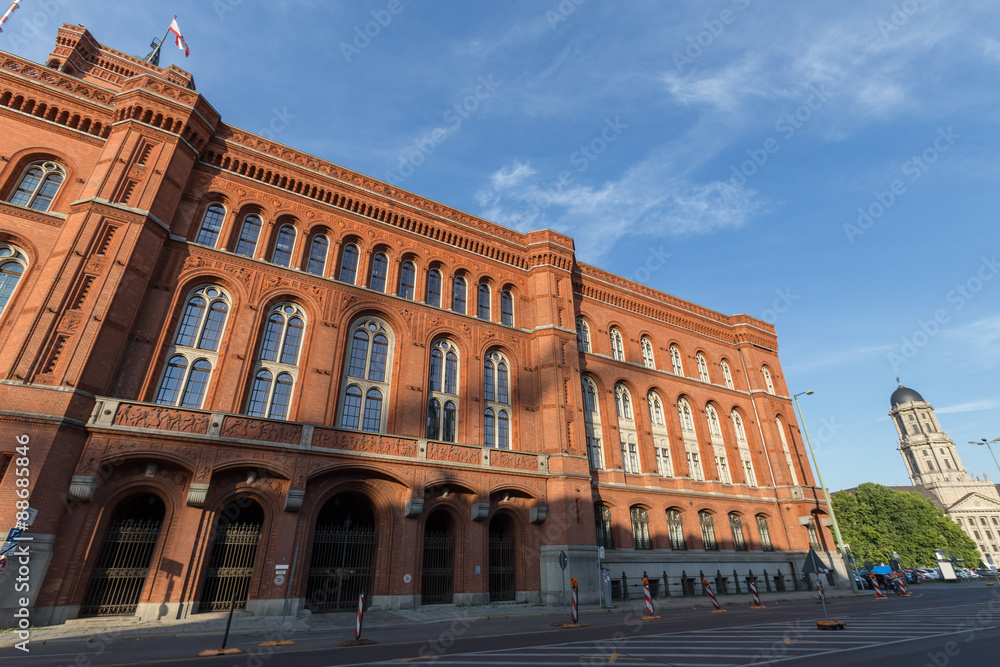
[343, 553]
[122, 564]
[438, 580]
[503, 549]
[230, 567]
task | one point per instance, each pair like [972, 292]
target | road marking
[613, 658]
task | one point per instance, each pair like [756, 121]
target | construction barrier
[754, 597]
[361, 613]
[649, 599]
[878, 591]
[576, 602]
[819, 588]
[715, 603]
[902, 587]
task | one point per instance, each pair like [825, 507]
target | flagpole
[154, 56]
[14, 6]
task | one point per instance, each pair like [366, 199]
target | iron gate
[230, 567]
[122, 565]
[438, 583]
[502, 584]
[342, 567]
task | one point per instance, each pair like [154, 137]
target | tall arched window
[277, 360]
[640, 528]
[785, 450]
[506, 308]
[348, 264]
[736, 526]
[379, 271]
[458, 295]
[605, 530]
[702, 367]
[727, 376]
[407, 280]
[249, 234]
[497, 392]
[366, 376]
[582, 335]
[194, 352]
[592, 424]
[442, 389]
[656, 417]
[211, 225]
[38, 186]
[483, 310]
[714, 427]
[744, 449]
[741, 434]
[630, 454]
[647, 353]
[623, 403]
[283, 246]
[765, 533]
[708, 531]
[768, 383]
[675, 528]
[434, 288]
[718, 444]
[13, 264]
[675, 360]
[317, 255]
[687, 419]
[617, 345]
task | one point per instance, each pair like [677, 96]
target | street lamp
[826, 494]
[984, 442]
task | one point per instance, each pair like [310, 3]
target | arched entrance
[229, 571]
[122, 565]
[438, 580]
[343, 553]
[503, 548]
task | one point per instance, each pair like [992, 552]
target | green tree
[876, 520]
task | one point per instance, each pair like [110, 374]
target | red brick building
[229, 357]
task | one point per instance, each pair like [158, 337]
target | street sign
[563, 560]
[813, 564]
[10, 543]
[600, 553]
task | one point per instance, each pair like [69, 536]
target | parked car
[862, 582]
[910, 576]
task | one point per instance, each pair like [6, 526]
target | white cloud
[970, 406]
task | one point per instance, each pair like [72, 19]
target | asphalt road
[939, 626]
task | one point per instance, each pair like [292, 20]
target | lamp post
[982, 442]
[826, 494]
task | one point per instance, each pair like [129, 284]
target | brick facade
[111, 266]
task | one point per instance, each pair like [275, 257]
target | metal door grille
[438, 583]
[122, 565]
[502, 549]
[343, 566]
[230, 567]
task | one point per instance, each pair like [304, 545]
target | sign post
[563, 561]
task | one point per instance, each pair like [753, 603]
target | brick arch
[269, 466]
[509, 486]
[21, 159]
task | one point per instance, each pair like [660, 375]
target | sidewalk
[120, 627]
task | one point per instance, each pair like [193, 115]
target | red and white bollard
[361, 612]
[576, 602]
[649, 598]
[902, 586]
[878, 591]
[819, 588]
[715, 603]
[753, 596]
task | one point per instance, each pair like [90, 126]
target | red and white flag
[181, 44]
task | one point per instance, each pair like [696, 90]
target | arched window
[497, 392]
[38, 186]
[506, 308]
[442, 389]
[348, 264]
[195, 350]
[687, 419]
[640, 528]
[317, 255]
[458, 295]
[784, 448]
[675, 528]
[630, 454]
[589, 396]
[617, 345]
[283, 246]
[655, 409]
[407, 280]
[714, 427]
[249, 234]
[664, 466]
[675, 360]
[605, 532]
[708, 531]
[764, 532]
[278, 358]
[736, 526]
[702, 367]
[623, 403]
[768, 383]
[13, 263]
[694, 464]
[741, 434]
[592, 424]
[483, 310]
[211, 225]
[366, 377]
[727, 376]
[744, 449]
[582, 335]
[379, 271]
[647, 353]
[434, 288]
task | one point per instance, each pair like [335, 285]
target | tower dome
[904, 395]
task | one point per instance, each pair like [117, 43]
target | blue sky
[828, 166]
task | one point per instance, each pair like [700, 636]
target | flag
[181, 44]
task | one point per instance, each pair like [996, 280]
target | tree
[876, 520]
